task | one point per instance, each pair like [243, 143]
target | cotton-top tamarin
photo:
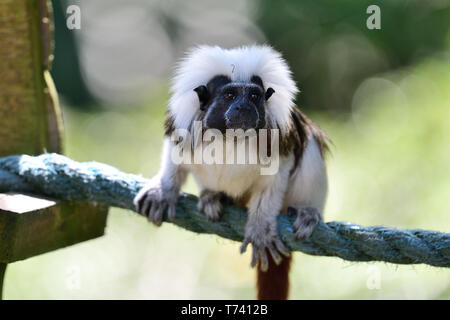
[248, 88]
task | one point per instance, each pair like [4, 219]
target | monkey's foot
[306, 221]
[153, 202]
[264, 238]
[210, 203]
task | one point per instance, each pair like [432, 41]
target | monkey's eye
[229, 95]
[254, 97]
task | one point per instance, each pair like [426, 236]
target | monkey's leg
[210, 203]
[261, 228]
[306, 221]
[262, 234]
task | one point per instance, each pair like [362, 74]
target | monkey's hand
[306, 221]
[210, 203]
[153, 201]
[262, 234]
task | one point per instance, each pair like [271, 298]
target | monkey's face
[233, 105]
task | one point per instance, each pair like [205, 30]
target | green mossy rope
[56, 176]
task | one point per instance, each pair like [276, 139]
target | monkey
[247, 88]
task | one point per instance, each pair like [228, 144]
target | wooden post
[28, 99]
[32, 124]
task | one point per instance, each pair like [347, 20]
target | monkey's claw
[264, 240]
[153, 203]
[307, 219]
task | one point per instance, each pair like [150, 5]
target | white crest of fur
[204, 62]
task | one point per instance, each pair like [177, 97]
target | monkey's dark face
[233, 105]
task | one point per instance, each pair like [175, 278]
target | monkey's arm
[161, 193]
[307, 192]
[265, 204]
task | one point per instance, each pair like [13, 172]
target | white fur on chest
[233, 179]
[230, 176]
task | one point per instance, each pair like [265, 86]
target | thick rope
[56, 176]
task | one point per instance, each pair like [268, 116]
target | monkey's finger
[146, 205]
[264, 261]
[200, 205]
[152, 213]
[281, 247]
[138, 201]
[138, 204]
[142, 204]
[158, 216]
[297, 223]
[254, 257]
[171, 211]
[244, 245]
[275, 255]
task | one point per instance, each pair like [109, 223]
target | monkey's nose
[241, 117]
[242, 107]
[239, 110]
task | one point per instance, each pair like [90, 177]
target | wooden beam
[30, 226]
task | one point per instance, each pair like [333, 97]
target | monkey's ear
[203, 96]
[269, 93]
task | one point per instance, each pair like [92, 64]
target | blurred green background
[382, 96]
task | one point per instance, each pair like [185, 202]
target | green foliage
[331, 51]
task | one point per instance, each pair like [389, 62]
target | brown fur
[302, 128]
[169, 126]
[309, 129]
[274, 283]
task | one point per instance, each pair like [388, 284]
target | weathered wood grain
[29, 120]
[30, 226]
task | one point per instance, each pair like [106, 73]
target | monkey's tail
[274, 283]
